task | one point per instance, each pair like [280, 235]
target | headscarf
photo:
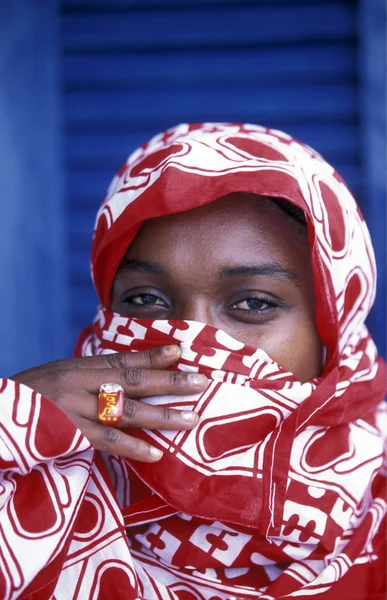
[279, 490]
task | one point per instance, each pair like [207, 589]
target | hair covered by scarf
[279, 491]
[192, 165]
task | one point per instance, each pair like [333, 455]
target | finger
[156, 358]
[139, 414]
[143, 383]
[113, 440]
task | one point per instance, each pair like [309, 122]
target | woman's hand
[73, 385]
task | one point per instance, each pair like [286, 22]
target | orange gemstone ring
[110, 403]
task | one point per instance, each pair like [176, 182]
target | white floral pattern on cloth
[280, 490]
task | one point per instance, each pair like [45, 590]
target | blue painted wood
[252, 103]
[132, 68]
[373, 27]
[104, 6]
[314, 62]
[32, 251]
[207, 27]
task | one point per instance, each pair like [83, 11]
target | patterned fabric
[280, 490]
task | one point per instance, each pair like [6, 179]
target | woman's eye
[253, 304]
[145, 300]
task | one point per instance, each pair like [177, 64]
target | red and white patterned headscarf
[192, 165]
[279, 492]
[287, 468]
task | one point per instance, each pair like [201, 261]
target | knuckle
[59, 388]
[116, 360]
[60, 364]
[132, 376]
[138, 448]
[174, 378]
[60, 380]
[148, 358]
[58, 376]
[130, 409]
[165, 414]
[61, 400]
[111, 435]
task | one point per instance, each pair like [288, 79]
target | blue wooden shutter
[134, 68]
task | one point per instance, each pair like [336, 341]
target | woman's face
[240, 264]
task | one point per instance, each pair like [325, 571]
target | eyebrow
[271, 269]
[142, 266]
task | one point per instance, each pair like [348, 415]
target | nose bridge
[197, 309]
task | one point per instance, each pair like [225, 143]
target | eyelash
[262, 299]
[129, 299]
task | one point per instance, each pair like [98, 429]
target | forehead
[234, 228]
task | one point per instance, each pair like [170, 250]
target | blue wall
[98, 77]
[373, 99]
[132, 69]
[33, 257]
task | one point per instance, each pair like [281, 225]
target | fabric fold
[279, 492]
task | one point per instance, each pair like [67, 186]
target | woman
[235, 273]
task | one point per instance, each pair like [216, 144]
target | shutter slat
[251, 103]
[132, 68]
[320, 62]
[207, 27]
[70, 6]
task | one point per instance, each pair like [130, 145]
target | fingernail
[197, 379]
[171, 350]
[189, 416]
[155, 452]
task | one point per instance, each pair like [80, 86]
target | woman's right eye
[144, 300]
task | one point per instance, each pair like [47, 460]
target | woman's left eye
[253, 304]
[145, 300]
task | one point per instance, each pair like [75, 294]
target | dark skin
[239, 264]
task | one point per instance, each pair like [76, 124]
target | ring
[110, 403]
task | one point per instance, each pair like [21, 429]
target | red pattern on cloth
[280, 491]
